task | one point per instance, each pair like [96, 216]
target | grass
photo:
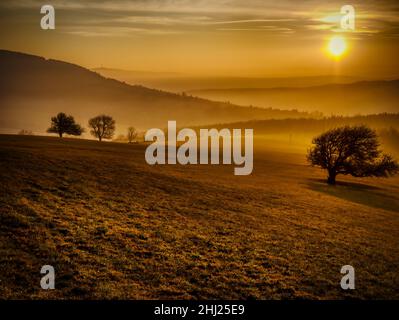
[116, 228]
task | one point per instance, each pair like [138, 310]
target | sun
[337, 46]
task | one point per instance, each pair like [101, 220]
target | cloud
[154, 17]
[114, 32]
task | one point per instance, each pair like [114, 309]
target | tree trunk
[60, 134]
[331, 177]
[100, 138]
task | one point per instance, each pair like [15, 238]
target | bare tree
[131, 134]
[64, 124]
[102, 127]
[351, 151]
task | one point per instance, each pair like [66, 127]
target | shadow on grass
[371, 196]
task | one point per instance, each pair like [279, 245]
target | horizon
[172, 75]
[214, 101]
[162, 74]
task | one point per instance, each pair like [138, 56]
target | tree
[63, 123]
[102, 127]
[131, 134]
[351, 151]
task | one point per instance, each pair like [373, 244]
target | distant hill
[381, 121]
[132, 74]
[291, 133]
[33, 88]
[175, 82]
[347, 99]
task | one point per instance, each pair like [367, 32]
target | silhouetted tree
[351, 150]
[131, 134]
[63, 123]
[102, 127]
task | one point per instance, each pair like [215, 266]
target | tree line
[101, 127]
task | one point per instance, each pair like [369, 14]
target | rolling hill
[362, 97]
[114, 227]
[315, 126]
[175, 82]
[32, 89]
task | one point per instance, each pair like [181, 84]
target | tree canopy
[102, 127]
[65, 124]
[351, 151]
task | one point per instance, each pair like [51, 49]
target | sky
[246, 38]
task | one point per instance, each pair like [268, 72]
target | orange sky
[212, 38]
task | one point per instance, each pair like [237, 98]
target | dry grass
[114, 227]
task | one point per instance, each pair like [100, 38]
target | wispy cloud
[177, 16]
[114, 31]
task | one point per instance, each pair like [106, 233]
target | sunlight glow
[337, 46]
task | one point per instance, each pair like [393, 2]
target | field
[114, 227]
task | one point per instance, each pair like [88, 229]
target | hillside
[32, 89]
[312, 126]
[344, 99]
[114, 227]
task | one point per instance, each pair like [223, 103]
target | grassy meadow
[114, 227]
